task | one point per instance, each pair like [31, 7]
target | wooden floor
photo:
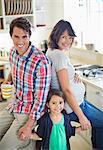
[78, 143]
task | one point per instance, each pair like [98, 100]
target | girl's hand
[34, 136]
[77, 78]
[85, 123]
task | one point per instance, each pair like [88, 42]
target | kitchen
[91, 56]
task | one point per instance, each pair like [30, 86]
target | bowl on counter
[89, 46]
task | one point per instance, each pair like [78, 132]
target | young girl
[54, 126]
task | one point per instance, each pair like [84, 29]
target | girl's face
[56, 104]
[65, 41]
[21, 40]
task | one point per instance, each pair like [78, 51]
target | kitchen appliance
[90, 71]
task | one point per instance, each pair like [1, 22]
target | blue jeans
[95, 116]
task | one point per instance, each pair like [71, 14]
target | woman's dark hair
[22, 23]
[57, 31]
[54, 92]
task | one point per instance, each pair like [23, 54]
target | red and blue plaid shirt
[31, 74]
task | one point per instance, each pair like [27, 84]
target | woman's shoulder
[55, 53]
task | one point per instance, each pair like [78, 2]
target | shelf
[34, 10]
[18, 15]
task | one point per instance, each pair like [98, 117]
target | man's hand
[24, 132]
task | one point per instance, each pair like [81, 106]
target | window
[86, 17]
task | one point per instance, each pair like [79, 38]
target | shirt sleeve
[70, 130]
[41, 86]
[41, 126]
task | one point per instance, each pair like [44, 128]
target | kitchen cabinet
[94, 96]
[32, 9]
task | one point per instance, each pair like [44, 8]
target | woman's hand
[85, 123]
[77, 78]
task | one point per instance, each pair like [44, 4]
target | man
[31, 75]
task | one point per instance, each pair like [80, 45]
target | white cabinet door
[94, 96]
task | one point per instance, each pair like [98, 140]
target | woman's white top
[61, 61]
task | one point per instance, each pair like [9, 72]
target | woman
[65, 79]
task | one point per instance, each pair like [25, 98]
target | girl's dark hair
[22, 23]
[54, 92]
[57, 31]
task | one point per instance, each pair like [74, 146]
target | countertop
[95, 82]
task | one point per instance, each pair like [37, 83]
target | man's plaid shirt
[31, 74]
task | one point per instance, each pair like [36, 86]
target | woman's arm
[65, 87]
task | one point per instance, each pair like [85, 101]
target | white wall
[54, 11]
